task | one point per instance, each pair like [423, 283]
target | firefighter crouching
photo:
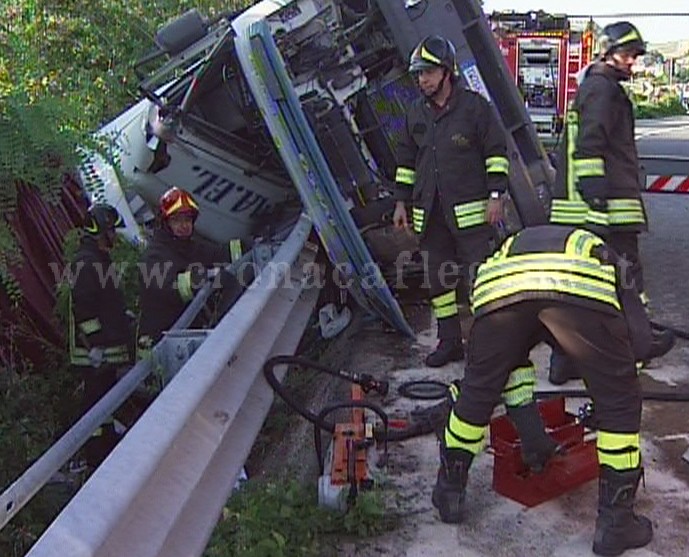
[562, 285]
[452, 168]
[99, 328]
[175, 265]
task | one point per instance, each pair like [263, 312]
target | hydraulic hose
[423, 427]
[677, 332]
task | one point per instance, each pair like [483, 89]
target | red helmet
[177, 201]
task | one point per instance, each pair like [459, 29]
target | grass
[267, 519]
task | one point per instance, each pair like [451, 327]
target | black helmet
[621, 35]
[433, 52]
[101, 217]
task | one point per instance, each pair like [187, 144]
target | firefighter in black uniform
[99, 328]
[452, 169]
[175, 265]
[597, 182]
[562, 285]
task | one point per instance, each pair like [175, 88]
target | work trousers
[97, 382]
[597, 343]
[452, 256]
[626, 245]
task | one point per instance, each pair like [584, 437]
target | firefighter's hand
[399, 217]
[96, 355]
[494, 213]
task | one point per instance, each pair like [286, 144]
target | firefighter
[559, 284]
[597, 183]
[452, 170]
[99, 328]
[175, 265]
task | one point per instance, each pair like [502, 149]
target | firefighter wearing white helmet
[452, 168]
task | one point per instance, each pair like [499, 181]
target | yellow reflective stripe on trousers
[405, 176]
[497, 165]
[519, 388]
[462, 435]
[619, 450]
[445, 305]
[568, 211]
[572, 134]
[470, 214]
[625, 211]
[90, 326]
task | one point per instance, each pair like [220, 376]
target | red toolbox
[513, 479]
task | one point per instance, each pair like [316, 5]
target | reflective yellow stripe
[568, 211]
[462, 435]
[90, 326]
[589, 167]
[519, 388]
[184, 286]
[426, 55]
[619, 450]
[470, 214]
[405, 176]
[629, 37]
[572, 134]
[417, 216]
[454, 392]
[625, 211]
[597, 217]
[582, 242]
[497, 165]
[235, 249]
[445, 305]
[578, 275]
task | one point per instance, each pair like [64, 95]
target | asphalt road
[667, 137]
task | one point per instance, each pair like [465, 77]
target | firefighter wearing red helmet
[99, 328]
[452, 169]
[175, 265]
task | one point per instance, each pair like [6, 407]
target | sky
[653, 29]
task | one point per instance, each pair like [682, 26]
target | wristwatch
[495, 195]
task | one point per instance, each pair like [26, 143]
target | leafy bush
[670, 106]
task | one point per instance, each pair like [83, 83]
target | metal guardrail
[20, 492]
[162, 488]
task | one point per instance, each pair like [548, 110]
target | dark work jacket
[97, 317]
[598, 157]
[564, 264]
[456, 155]
[165, 258]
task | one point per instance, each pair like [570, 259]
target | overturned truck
[297, 106]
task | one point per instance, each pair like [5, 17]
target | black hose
[677, 332]
[681, 396]
[415, 430]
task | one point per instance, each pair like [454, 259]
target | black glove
[593, 190]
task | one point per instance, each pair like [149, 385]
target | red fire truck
[544, 53]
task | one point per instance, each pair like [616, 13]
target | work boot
[450, 487]
[561, 368]
[618, 528]
[661, 343]
[447, 351]
[537, 446]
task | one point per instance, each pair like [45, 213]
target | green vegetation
[667, 106]
[284, 520]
